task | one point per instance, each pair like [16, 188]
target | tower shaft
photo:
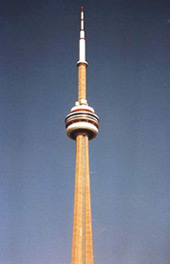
[82, 244]
[81, 81]
[82, 125]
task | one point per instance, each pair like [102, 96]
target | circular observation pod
[82, 119]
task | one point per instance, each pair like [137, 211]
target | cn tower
[82, 126]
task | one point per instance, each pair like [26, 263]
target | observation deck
[82, 118]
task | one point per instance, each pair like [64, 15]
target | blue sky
[128, 84]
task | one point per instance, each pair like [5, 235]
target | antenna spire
[82, 40]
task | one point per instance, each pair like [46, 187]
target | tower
[82, 126]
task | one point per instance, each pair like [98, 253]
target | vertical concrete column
[77, 219]
[88, 238]
[82, 244]
[81, 81]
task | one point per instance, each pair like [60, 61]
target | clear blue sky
[128, 51]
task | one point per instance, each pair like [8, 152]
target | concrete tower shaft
[82, 126]
[82, 243]
[81, 82]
